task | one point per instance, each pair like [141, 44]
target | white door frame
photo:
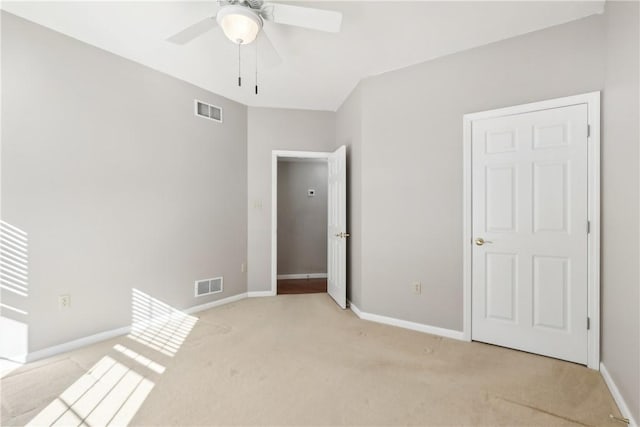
[592, 100]
[275, 155]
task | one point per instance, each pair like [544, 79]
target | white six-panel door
[529, 222]
[337, 227]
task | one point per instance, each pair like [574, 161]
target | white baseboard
[207, 306]
[433, 330]
[102, 336]
[21, 358]
[622, 404]
[258, 294]
[80, 342]
[355, 309]
[302, 276]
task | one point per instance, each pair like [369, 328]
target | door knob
[480, 241]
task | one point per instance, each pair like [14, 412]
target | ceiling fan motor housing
[254, 4]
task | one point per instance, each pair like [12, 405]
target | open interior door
[337, 227]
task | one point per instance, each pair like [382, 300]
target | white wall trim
[355, 309]
[275, 155]
[419, 327]
[302, 276]
[102, 336]
[208, 305]
[617, 396]
[105, 335]
[467, 220]
[585, 98]
[592, 100]
[259, 294]
[593, 243]
[80, 342]
[17, 358]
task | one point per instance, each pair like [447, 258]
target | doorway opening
[336, 220]
[302, 225]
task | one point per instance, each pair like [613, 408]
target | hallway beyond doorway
[301, 286]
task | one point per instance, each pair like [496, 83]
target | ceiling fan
[242, 21]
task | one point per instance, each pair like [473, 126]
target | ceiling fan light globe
[239, 24]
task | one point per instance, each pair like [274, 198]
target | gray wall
[411, 158]
[118, 185]
[302, 220]
[620, 202]
[404, 133]
[275, 129]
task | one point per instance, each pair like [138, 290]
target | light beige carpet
[300, 360]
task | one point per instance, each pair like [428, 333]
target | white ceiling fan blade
[267, 53]
[315, 19]
[193, 31]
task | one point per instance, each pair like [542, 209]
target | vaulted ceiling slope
[318, 69]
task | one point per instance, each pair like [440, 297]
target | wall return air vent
[208, 111]
[208, 286]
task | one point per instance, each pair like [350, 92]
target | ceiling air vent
[208, 286]
[208, 111]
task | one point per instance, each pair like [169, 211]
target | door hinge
[588, 227]
[588, 323]
[588, 131]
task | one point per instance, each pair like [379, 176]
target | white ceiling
[318, 69]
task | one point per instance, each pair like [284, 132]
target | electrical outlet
[243, 267]
[416, 287]
[64, 302]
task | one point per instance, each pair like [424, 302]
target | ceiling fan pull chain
[239, 75]
[256, 67]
